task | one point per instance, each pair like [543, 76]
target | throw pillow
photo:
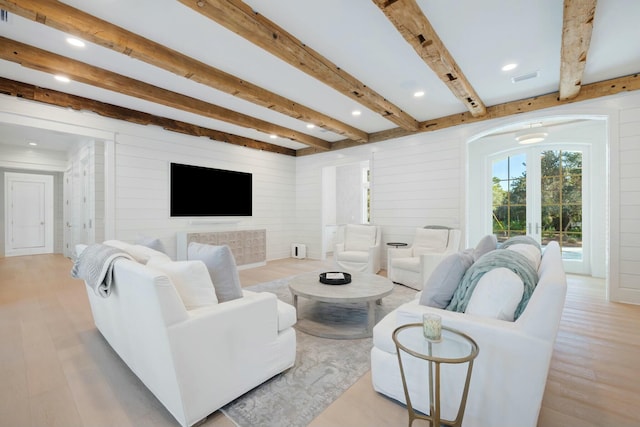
[486, 244]
[152, 243]
[496, 295]
[142, 254]
[532, 253]
[222, 269]
[440, 286]
[191, 280]
[528, 240]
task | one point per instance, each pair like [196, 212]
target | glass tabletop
[454, 347]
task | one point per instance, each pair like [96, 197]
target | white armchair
[360, 250]
[412, 265]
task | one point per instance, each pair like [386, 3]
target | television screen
[201, 191]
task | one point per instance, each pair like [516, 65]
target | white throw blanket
[95, 266]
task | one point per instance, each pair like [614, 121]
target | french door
[540, 192]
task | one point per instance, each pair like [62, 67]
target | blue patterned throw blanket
[95, 266]
[512, 260]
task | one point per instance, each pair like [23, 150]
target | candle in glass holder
[432, 326]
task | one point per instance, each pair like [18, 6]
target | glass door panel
[542, 199]
[561, 200]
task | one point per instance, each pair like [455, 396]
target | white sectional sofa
[194, 359]
[510, 372]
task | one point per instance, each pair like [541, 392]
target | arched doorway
[512, 190]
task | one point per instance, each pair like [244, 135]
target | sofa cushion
[497, 294]
[287, 316]
[354, 256]
[222, 269]
[191, 280]
[429, 240]
[444, 280]
[359, 237]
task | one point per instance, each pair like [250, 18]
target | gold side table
[454, 347]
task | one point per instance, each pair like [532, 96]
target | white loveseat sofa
[510, 372]
[194, 360]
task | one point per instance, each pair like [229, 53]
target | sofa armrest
[496, 332]
[253, 317]
[222, 351]
[287, 316]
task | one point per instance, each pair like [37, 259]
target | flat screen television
[200, 191]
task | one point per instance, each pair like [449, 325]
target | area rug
[324, 368]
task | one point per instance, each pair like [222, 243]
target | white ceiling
[482, 36]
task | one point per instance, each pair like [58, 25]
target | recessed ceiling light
[310, 126]
[356, 112]
[75, 42]
[509, 67]
[63, 79]
[32, 143]
[273, 136]
[418, 94]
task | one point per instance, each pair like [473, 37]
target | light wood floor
[56, 370]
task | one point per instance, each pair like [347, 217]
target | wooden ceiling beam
[410, 21]
[87, 27]
[242, 20]
[591, 91]
[38, 59]
[577, 27]
[65, 100]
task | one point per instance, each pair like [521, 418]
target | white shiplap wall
[415, 181]
[142, 188]
[627, 273]
[418, 181]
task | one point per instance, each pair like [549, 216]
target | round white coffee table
[338, 311]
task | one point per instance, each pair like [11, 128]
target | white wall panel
[142, 188]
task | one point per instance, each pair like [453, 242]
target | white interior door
[28, 214]
[68, 214]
